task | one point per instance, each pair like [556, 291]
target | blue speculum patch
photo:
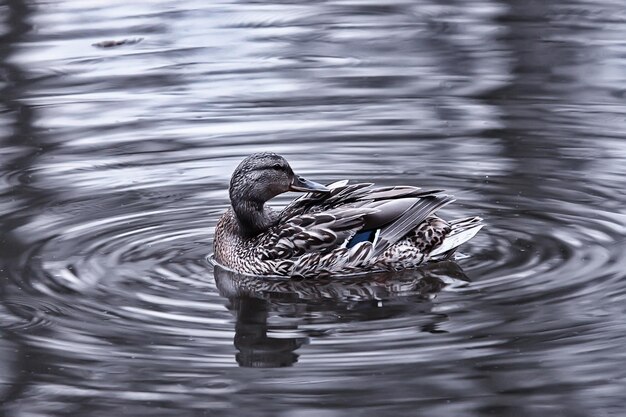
[365, 235]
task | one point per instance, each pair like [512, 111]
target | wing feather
[342, 193]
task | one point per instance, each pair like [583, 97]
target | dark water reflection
[114, 164]
[325, 303]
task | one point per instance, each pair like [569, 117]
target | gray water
[115, 159]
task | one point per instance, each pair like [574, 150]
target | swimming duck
[337, 229]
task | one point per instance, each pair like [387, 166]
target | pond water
[115, 158]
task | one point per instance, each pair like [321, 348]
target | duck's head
[262, 176]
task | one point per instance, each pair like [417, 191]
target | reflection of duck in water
[293, 303]
[340, 229]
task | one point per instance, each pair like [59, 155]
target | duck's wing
[328, 222]
[319, 232]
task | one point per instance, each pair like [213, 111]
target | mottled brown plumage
[339, 229]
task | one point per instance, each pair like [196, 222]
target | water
[114, 165]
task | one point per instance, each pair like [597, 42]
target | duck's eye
[278, 167]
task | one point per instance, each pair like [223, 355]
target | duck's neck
[253, 217]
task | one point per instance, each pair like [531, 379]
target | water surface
[115, 159]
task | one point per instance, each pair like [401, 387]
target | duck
[338, 229]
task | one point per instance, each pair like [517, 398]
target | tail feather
[462, 231]
[400, 226]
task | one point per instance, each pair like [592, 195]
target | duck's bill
[302, 184]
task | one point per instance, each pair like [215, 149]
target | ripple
[116, 286]
[125, 268]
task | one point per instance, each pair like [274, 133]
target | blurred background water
[115, 159]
